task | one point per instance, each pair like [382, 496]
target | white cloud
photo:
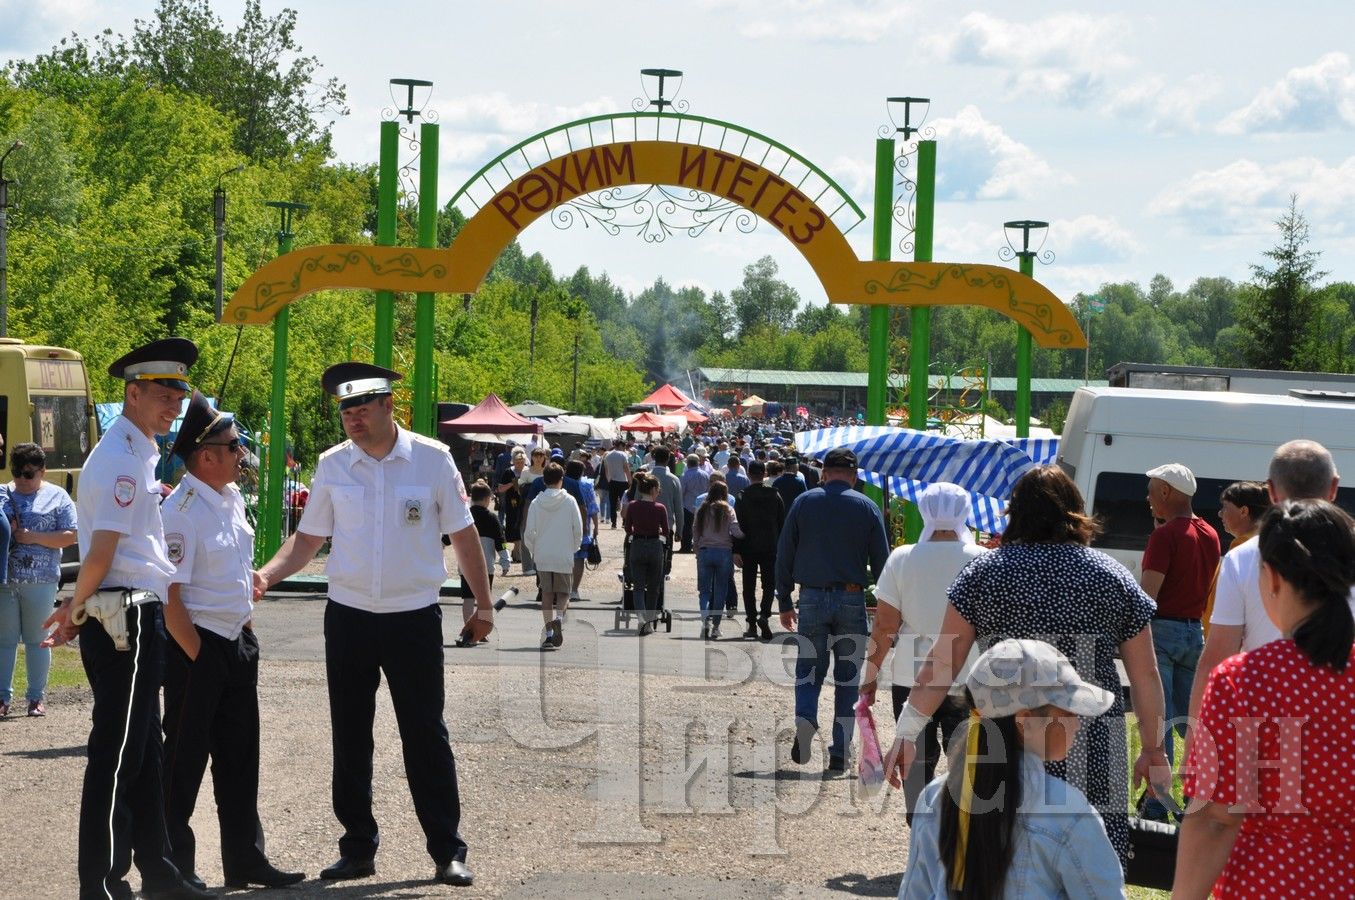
[1064, 57]
[1308, 98]
[1091, 239]
[498, 113]
[1166, 107]
[982, 162]
[31, 26]
[1246, 196]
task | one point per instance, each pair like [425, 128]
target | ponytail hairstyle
[1311, 545]
[994, 797]
[716, 508]
[644, 484]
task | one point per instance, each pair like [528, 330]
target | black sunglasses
[27, 473]
[233, 444]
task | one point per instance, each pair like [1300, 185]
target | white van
[1113, 435]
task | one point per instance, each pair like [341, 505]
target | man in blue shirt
[833, 544]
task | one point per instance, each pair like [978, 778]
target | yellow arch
[460, 268]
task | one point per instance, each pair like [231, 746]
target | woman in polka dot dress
[1269, 764]
[1045, 583]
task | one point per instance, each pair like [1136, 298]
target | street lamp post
[1026, 256]
[219, 225]
[4, 240]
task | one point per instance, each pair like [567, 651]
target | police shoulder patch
[174, 544]
[124, 490]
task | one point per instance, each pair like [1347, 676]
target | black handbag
[1152, 851]
[594, 553]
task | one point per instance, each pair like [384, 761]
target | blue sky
[1154, 136]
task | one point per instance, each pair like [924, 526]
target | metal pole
[877, 382]
[219, 221]
[919, 350]
[277, 417]
[1023, 362]
[422, 419]
[383, 340]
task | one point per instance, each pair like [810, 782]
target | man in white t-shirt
[912, 603]
[1299, 470]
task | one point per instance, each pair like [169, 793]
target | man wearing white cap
[1178, 566]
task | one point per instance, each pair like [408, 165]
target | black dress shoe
[184, 890]
[195, 881]
[455, 873]
[837, 764]
[267, 876]
[347, 867]
[804, 736]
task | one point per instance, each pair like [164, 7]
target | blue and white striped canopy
[906, 461]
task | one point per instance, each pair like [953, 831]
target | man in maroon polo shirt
[1178, 565]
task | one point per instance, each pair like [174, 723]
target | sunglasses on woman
[28, 473]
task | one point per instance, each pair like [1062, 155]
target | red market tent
[643, 422]
[692, 415]
[490, 416]
[668, 397]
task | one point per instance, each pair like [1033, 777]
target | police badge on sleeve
[174, 547]
[413, 510]
[124, 490]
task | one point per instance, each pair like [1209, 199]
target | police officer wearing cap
[384, 498]
[212, 665]
[116, 610]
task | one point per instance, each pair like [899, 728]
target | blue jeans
[1178, 646]
[23, 609]
[714, 572]
[830, 621]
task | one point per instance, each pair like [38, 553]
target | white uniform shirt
[914, 581]
[119, 492]
[209, 539]
[1237, 596]
[385, 519]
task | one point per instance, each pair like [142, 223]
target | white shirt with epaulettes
[120, 492]
[211, 543]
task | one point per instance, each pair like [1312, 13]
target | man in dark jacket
[761, 514]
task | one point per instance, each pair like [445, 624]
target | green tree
[763, 299]
[1278, 317]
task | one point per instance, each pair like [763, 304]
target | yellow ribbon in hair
[971, 759]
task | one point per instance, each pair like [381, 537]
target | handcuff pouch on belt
[109, 608]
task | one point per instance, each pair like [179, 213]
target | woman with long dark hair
[1044, 582]
[713, 535]
[1273, 809]
[1005, 827]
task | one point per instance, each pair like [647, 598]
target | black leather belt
[849, 586]
[646, 537]
[1186, 620]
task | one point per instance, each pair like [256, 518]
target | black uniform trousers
[753, 564]
[122, 814]
[212, 709]
[407, 647]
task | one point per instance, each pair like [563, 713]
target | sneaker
[503, 570]
[750, 633]
[646, 629]
[557, 633]
[715, 632]
[4, 710]
[529, 571]
[548, 638]
[836, 765]
[705, 630]
[573, 595]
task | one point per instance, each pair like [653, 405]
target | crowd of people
[1001, 655]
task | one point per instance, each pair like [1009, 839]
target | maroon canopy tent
[490, 416]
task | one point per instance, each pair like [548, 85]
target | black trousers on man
[753, 564]
[212, 709]
[615, 491]
[406, 647]
[122, 814]
[947, 719]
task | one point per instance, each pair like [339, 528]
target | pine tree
[1277, 315]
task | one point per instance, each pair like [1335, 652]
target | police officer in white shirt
[212, 665]
[116, 610]
[385, 497]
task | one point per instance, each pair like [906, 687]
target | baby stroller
[628, 610]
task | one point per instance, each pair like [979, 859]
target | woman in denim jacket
[997, 825]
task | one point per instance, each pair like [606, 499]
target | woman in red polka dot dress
[1270, 766]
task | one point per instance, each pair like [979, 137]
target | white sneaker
[573, 595]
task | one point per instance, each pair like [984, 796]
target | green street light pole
[1026, 256]
[422, 418]
[276, 474]
[383, 340]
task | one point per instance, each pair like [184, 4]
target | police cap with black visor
[200, 422]
[356, 383]
[165, 361]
